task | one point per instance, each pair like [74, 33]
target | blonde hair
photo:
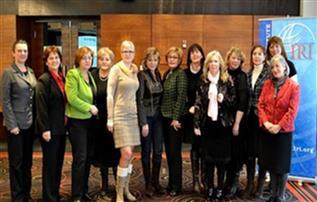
[239, 54]
[224, 76]
[176, 50]
[106, 51]
[127, 43]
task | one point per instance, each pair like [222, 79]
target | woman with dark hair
[51, 121]
[258, 74]
[106, 155]
[234, 61]
[18, 86]
[274, 47]
[195, 63]
[150, 119]
[81, 111]
[173, 108]
[278, 107]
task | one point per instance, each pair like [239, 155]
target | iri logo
[298, 40]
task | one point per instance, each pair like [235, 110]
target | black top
[50, 106]
[149, 94]
[240, 82]
[101, 95]
[292, 70]
[192, 86]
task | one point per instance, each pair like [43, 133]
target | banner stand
[299, 37]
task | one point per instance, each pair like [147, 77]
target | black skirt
[216, 142]
[276, 150]
[105, 153]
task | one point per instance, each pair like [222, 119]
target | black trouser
[197, 159]
[20, 149]
[81, 141]
[53, 157]
[209, 173]
[173, 148]
[155, 140]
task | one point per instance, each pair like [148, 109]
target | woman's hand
[192, 110]
[197, 131]
[93, 110]
[268, 125]
[176, 125]
[46, 135]
[15, 131]
[220, 97]
[145, 130]
[275, 129]
[235, 129]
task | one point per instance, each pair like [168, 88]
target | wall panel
[116, 28]
[221, 32]
[173, 30]
[7, 38]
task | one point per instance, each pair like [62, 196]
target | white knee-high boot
[127, 192]
[121, 179]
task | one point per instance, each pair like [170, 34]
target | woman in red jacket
[278, 107]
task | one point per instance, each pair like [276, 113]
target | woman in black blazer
[18, 83]
[51, 121]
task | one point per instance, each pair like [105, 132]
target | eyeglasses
[127, 52]
[172, 57]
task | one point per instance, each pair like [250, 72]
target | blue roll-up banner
[299, 36]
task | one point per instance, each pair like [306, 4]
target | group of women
[230, 118]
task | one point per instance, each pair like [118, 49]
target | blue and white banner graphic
[299, 36]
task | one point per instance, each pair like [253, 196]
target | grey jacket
[17, 97]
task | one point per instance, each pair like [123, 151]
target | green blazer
[79, 95]
[174, 94]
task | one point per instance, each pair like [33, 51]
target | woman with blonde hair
[122, 115]
[234, 61]
[106, 155]
[173, 108]
[213, 120]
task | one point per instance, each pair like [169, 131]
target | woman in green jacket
[80, 91]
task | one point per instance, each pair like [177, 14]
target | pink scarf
[212, 96]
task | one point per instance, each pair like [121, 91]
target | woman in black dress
[105, 155]
[195, 63]
[213, 120]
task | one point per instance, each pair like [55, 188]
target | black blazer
[50, 106]
[225, 109]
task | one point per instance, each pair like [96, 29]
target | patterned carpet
[295, 192]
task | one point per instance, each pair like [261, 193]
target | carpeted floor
[295, 192]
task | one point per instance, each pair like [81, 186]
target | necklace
[102, 77]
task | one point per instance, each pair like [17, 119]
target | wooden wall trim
[7, 38]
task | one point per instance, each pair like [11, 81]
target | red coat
[281, 110]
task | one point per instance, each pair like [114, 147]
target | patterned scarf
[212, 96]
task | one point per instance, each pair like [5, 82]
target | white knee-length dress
[122, 108]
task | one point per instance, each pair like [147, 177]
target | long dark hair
[191, 49]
